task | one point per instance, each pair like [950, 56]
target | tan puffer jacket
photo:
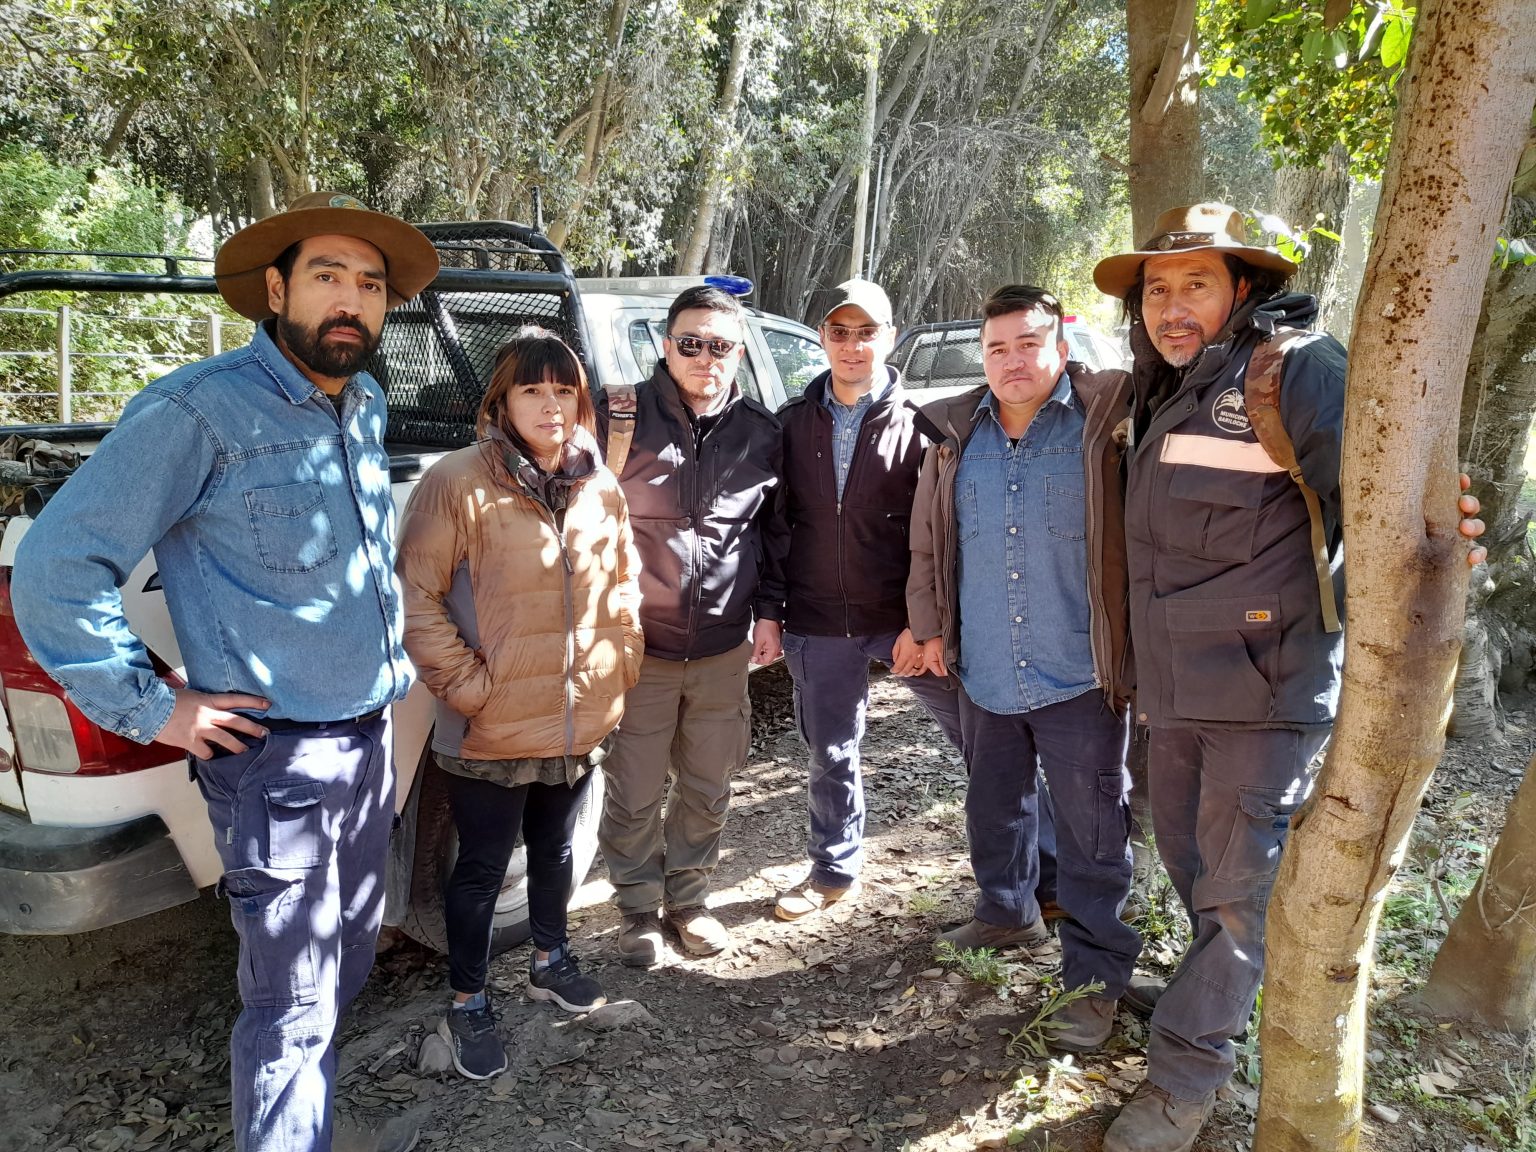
[528, 637]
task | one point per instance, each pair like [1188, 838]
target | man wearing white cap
[260, 480]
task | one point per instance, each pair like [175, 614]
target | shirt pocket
[293, 530]
[1225, 656]
[1213, 512]
[967, 515]
[1064, 512]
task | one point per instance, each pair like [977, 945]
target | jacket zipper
[568, 573]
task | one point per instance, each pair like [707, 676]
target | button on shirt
[846, 419]
[273, 526]
[1019, 515]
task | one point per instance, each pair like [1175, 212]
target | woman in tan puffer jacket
[522, 616]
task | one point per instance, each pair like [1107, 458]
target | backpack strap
[623, 407]
[1261, 397]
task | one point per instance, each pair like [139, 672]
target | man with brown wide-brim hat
[260, 480]
[1237, 660]
[1233, 541]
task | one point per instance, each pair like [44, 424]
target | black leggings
[489, 817]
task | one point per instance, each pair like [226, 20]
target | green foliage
[1034, 1038]
[118, 344]
[978, 965]
[1315, 86]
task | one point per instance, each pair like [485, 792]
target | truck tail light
[51, 734]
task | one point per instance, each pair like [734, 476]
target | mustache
[338, 323]
[1186, 325]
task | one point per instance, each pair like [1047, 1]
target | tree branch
[1160, 98]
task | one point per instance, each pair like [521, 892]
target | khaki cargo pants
[690, 721]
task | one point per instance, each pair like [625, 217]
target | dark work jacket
[707, 522]
[1224, 601]
[847, 569]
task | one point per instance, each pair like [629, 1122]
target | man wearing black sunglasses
[703, 477]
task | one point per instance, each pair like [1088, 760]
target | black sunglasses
[691, 346]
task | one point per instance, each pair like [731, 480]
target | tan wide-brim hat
[410, 261]
[1188, 229]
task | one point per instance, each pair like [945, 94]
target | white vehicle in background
[95, 829]
[938, 360]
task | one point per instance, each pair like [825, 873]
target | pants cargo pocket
[1224, 654]
[295, 823]
[1112, 816]
[277, 950]
[1259, 828]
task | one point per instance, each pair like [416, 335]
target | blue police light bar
[735, 285]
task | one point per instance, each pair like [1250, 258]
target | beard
[335, 361]
[1179, 357]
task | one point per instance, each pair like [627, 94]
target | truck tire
[437, 847]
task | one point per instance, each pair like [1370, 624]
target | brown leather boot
[1155, 1121]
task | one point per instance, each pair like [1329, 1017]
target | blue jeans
[302, 822]
[1079, 744]
[831, 675]
[1222, 801]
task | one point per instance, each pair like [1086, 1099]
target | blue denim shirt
[273, 527]
[845, 424]
[1019, 515]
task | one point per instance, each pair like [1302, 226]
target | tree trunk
[1165, 110]
[866, 157]
[1485, 972]
[259, 183]
[1317, 198]
[715, 161]
[1464, 105]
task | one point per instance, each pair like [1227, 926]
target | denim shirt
[846, 419]
[1019, 515]
[272, 522]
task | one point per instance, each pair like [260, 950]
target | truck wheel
[437, 848]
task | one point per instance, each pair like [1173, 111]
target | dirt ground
[839, 1032]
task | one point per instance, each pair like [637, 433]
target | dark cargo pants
[302, 822]
[1222, 801]
[1079, 744]
[831, 675]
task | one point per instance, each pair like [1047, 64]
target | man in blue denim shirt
[1015, 499]
[260, 480]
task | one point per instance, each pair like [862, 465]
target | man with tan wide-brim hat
[1236, 666]
[1236, 575]
[260, 480]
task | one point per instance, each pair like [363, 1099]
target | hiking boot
[812, 898]
[980, 934]
[1155, 1121]
[1143, 993]
[398, 1135]
[701, 933]
[561, 981]
[640, 939]
[1050, 910]
[471, 1036]
[1082, 1026]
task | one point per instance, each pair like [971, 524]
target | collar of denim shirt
[869, 399]
[1062, 394]
[292, 383]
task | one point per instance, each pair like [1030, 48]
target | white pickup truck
[95, 830]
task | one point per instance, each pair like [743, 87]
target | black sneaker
[471, 1037]
[562, 982]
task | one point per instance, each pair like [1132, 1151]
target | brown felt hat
[410, 261]
[1188, 229]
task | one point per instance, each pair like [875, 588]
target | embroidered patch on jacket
[1261, 616]
[1229, 413]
